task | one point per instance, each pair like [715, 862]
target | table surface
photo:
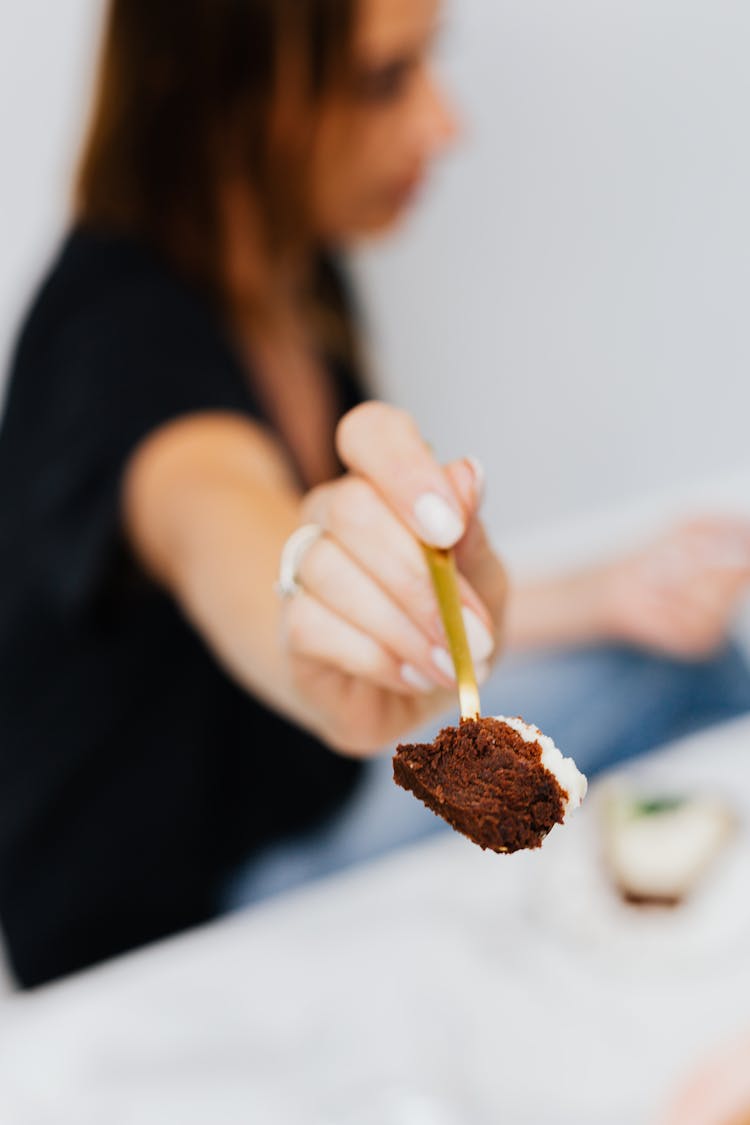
[439, 986]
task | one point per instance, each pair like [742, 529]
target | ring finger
[384, 549]
[315, 633]
[330, 575]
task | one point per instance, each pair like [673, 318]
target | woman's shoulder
[110, 300]
[95, 271]
[115, 337]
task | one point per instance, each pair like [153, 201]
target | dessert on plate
[658, 848]
[499, 781]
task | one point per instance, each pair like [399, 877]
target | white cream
[662, 855]
[564, 770]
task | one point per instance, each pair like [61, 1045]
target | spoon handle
[442, 566]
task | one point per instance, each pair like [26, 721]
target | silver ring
[292, 554]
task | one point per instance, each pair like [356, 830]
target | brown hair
[190, 91]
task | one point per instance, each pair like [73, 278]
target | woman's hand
[677, 595]
[358, 655]
[674, 596]
[364, 639]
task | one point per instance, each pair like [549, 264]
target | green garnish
[654, 806]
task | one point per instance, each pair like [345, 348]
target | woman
[170, 421]
[185, 396]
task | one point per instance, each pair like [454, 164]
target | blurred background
[570, 305]
[570, 299]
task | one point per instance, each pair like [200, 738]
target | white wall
[571, 302]
[46, 53]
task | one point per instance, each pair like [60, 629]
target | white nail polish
[414, 678]
[440, 525]
[482, 671]
[480, 640]
[441, 658]
[479, 476]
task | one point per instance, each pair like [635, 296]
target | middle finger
[368, 531]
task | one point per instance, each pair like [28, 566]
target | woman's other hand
[678, 594]
[364, 638]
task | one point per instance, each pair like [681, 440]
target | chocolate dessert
[496, 780]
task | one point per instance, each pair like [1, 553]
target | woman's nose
[439, 122]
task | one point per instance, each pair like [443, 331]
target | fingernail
[480, 640]
[414, 678]
[479, 475]
[482, 671]
[439, 524]
[441, 658]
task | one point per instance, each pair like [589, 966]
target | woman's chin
[384, 222]
[377, 221]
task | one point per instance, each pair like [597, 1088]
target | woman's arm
[209, 502]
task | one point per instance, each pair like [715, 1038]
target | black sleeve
[130, 360]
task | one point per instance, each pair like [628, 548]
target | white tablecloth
[442, 986]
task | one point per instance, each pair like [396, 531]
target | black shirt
[133, 772]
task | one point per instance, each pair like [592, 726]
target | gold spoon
[442, 566]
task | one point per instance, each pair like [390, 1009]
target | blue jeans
[600, 705]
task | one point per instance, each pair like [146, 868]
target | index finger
[382, 443]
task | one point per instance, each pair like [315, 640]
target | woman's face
[373, 147]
